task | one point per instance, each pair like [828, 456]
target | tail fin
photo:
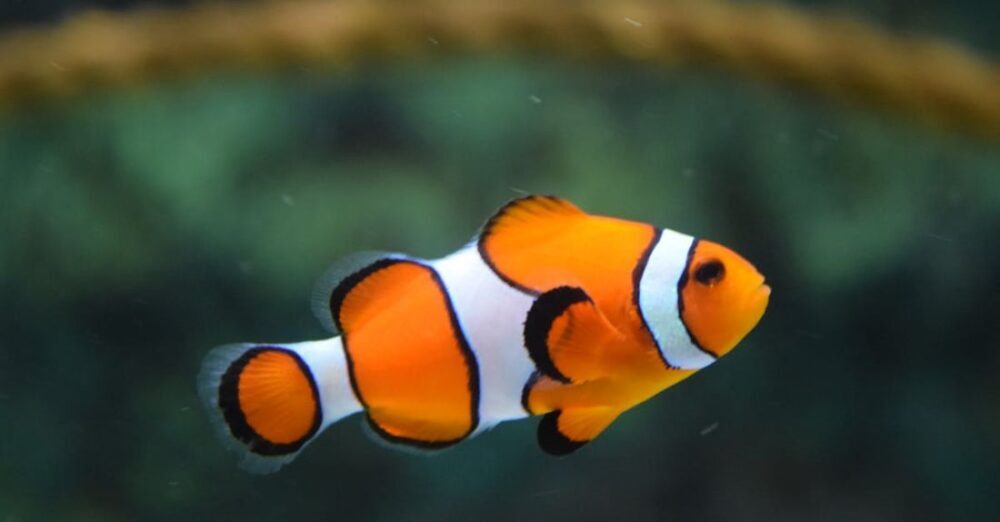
[268, 401]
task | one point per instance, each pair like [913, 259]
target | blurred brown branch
[924, 78]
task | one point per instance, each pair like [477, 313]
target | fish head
[722, 297]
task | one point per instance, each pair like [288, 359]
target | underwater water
[142, 227]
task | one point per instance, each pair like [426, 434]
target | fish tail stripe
[549, 307]
[269, 401]
[409, 362]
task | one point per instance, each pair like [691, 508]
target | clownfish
[549, 311]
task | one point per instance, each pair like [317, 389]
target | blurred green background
[142, 227]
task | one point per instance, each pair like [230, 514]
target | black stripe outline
[232, 412]
[543, 312]
[526, 391]
[553, 441]
[681, 283]
[472, 366]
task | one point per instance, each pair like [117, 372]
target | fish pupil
[710, 272]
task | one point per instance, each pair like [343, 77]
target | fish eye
[710, 272]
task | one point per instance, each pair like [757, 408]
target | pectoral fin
[568, 337]
[562, 432]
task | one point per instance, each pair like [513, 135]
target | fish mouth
[759, 299]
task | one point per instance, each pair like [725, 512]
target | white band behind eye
[658, 301]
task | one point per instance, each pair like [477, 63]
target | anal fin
[562, 432]
[568, 337]
[415, 432]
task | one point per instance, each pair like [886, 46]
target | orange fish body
[551, 311]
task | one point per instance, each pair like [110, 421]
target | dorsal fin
[562, 432]
[520, 227]
[538, 243]
[335, 275]
[531, 210]
[568, 337]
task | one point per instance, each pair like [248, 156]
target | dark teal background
[142, 227]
